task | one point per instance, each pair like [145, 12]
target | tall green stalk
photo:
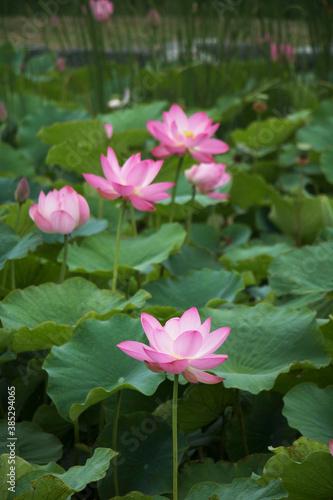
[116, 256]
[174, 437]
[299, 208]
[64, 261]
[239, 411]
[76, 441]
[12, 263]
[133, 221]
[114, 443]
[173, 196]
[189, 220]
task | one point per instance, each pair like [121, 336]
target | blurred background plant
[98, 49]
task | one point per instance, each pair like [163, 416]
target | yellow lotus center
[188, 134]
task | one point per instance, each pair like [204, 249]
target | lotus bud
[22, 191]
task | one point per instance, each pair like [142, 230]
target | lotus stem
[64, 261]
[114, 443]
[101, 417]
[173, 196]
[12, 264]
[189, 220]
[174, 437]
[241, 421]
[133, 221]
[116, 256]
[76, 441]
[299, 208]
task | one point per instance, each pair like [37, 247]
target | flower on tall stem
[179, 134]
[182, 345]
[132, 182]
[331, 447]
[208, 176]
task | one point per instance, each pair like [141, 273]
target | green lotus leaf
[265, 341]
[182, 292]
[32, 444]
[316, 424]
[145, 455]
[96, 253]
[45, 315]
[90, 366]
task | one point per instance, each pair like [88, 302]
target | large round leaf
[240, 489]
[145, 455]
[264, 425]
[49, 483]
[256, 257]
[306, 470]
[202, 404]
[31, 145]
[265, 341]
[32, 443]
[90, 366]
[13, 163]
[45, 315]
[219, 472]
[189, 259]
[134, 117]
[195, 289]
[316, 424]
[13, 247]
[96, 253]
[317, 214]
[305, 272]
[270, 132]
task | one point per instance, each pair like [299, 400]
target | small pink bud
[3, 112]
[154, 18]
[61, 64]
[22, 191]
[55, 20]
[109, 130]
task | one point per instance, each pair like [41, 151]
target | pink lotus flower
[282, 52]
[331, 447]
[60, 211]
[183, 345]
[101, 10]
[61, 64]
[154, 18]
[179, 134]
[109, 130]
[131, 182]
[208, 176]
